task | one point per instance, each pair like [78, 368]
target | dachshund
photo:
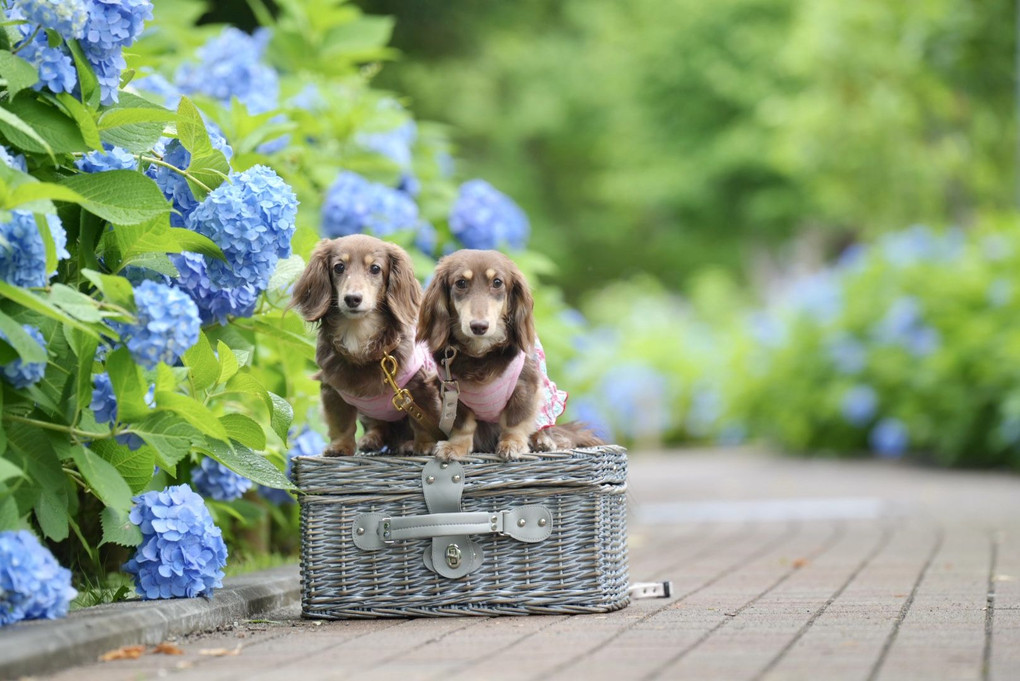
[477, 319]
[363, 294]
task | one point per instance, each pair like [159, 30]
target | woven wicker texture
[580, 568]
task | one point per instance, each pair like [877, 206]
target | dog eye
[339, 268]
[375, 269]
[461, 284]
[497, 283]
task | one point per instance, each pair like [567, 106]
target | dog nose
[478, 328]
[352, 300]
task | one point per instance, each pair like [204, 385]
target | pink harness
[487, 400]
[381, 407]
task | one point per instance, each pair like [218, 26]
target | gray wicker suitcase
[386, 536]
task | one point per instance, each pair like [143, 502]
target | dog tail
[573, 434]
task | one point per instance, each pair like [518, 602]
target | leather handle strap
[373, 531]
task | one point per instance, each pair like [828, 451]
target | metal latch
[453, 556]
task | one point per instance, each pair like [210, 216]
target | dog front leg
[425, 392]
[517, 423]
[341, 422]
[375, 435]
[461, 437]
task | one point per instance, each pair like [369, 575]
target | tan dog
[479, 309]
[363, 294]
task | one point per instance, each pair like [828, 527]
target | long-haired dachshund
[364, 296]
[477, 317]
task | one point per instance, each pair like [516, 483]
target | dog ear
[520, 311]
[403, 292]
[313, 292]
[434, 319]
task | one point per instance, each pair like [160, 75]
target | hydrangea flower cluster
[231, 66]
[20, 373]
[167, 325]
[353, 205]
[859, 404]
[485, 218]
[889, 438]
[396, 145]
[251, 218]
[214, 302]
[104, 406]
[111, 158]
[307, 443]
[32, 584]
[182, 553]
[173, 184]
[103, 27]
[903, 325]
[22, 252]
[12, 160]
[215, 481]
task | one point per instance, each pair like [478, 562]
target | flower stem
[29, 39]
[56, 426]
[174, 168]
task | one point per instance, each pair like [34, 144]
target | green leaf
[51, 513]
[201, 361]
[84, 118]
[115, 289]
[51, 131]
[18, 73]
[287, 272]
[244, 430]
[166, 379]
[169, 435]
[85, 349]
[9, 519]
[8, 470]
[186, 240]
[194, 412]
[132, 131]
[27, 347]
[38, 196]
[42, 223]
[228, 363]
[245, 462]
[31, 301]
[124, 197]
[208, 165]
[362, 36]
[118, 528]
[128, 385]
[104, 479]
[282, 416]
[91, 94]
[78, 305]
[261, 326]
[133, 467]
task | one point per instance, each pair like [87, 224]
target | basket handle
[374, 531]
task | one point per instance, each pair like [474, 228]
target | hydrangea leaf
[273, 331]
[283, 416]
[51, 513]
[287, 272]
[91, 93]
[244, 430]
[9, 519]
[104, 479]
[244, 461]
[8, 470]
[202, 363]
[208, 164]
[194, 412]
[18, 73]
[116, 290]
[22, 134]
[84, 118]
[364, 38]
[169, 435]
[128, 386]
[118, 528]
[123, 197]
[134, 467]
[194, 242]
[136, 125]
[78, 305]
[29, 300]
[38, 196]
[59, 133]
[84, 348]
[228, 364]
[26, 346]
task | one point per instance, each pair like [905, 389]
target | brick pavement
[782, 569]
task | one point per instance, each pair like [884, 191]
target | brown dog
[479, 310]
[363, 294]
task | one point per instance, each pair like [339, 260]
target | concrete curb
[39, 647]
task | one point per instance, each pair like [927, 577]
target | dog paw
[510, 449]
[446, 451]
[416, 448]
[372, 441]
[340, 448]
[542, 442]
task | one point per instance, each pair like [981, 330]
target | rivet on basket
[431, 479]
[444, 466]
[456, 478]
[522, 522]
[361, 530]
[541, 522]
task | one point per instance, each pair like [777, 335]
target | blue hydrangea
[111, 158]
[847, 354]
[904, 325]
[154, 83]
[182, 553]
[394, 144]
[920, 243]
[20, 373]
[425, 237]
[214, 303]
[818, 295]
[167, 325]
[251, 218]
[54, 64]
[354, 205]
[485, 218]
[215, 481]
[104, 406]
[638, 401]
[113, 24]
[705, 411]
[587, 410]
[22, 253]
[858, 404]
[231, 66]
[66, 17]
[889, 438]
[307, 443]
[12, 160]
[173, 184]
[33, 585]
[108, 66]
[1000, 292]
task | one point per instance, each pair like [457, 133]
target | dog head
[477, 300]
[355, 276]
